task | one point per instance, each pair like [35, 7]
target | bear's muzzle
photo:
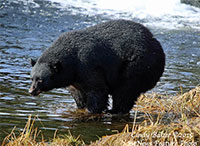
[34, 91]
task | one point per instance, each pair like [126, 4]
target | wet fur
[119, 57]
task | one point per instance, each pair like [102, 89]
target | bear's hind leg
[97, 101]
[123, 100]
[79, 97]
[96, 91]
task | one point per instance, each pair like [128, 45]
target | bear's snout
[34, 91]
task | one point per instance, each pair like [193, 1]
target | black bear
[120, 58]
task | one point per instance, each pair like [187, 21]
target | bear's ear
[33, 62]
[56, 67]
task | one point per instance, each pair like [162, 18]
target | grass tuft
[29, 137]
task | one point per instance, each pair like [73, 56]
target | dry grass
[156, 133]
[167, 121]
[187, 103]
[66, 140]
[83, 115]
[29, 137]
[26, 138]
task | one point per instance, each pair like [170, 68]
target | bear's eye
[39, 80]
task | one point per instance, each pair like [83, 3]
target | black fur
[119, 57]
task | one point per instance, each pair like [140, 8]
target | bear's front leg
[97, 101]
[79, 97]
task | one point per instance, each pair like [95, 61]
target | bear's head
[44, 77]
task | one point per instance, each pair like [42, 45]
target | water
[28, 27]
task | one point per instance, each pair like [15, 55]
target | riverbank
[167, 121]
[159, 119]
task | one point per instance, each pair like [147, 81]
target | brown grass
[155, 133]
[29, 137]
[26, 138]
[187, 103]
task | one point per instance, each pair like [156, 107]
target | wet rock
[195, 3]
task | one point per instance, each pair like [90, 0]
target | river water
[28, 27]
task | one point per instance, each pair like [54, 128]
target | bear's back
[123, 37]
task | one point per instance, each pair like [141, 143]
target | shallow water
[27, 28]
